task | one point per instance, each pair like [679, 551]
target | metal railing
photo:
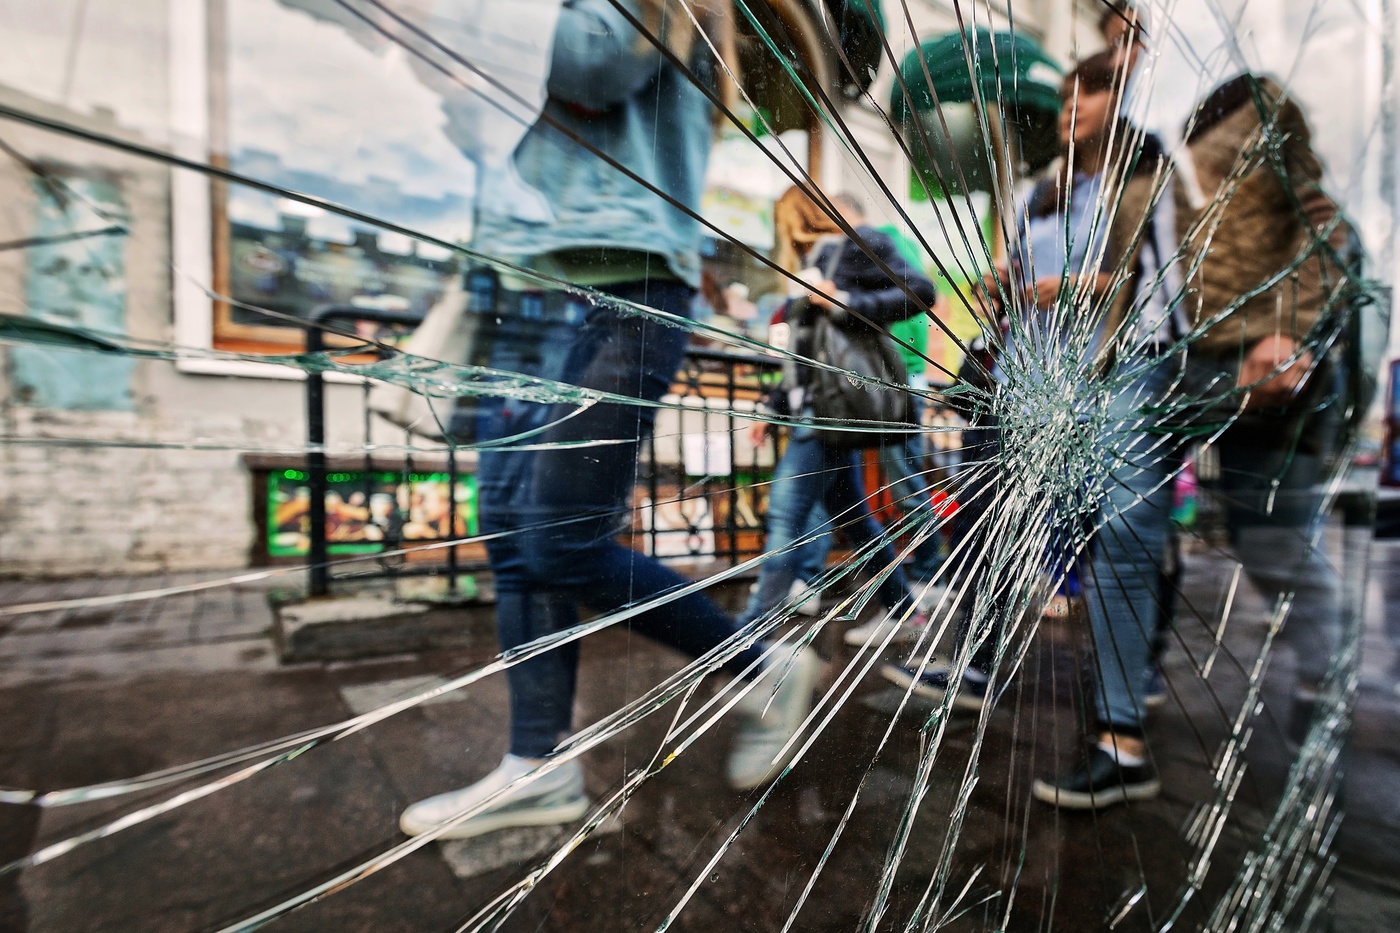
[318, 552]
[703, 487]
[701, 490]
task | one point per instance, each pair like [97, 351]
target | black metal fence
[702, 483]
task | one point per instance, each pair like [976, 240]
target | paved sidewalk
[226, 627]
[105, 693]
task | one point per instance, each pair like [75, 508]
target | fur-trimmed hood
[1253, 262]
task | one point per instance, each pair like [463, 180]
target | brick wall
[97, 482]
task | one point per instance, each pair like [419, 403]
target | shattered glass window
[696, 464]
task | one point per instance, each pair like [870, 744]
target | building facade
[132, 463]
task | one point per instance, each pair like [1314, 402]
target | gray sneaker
[757, 756]
[806, 600]
[556, 797]
[875, 631]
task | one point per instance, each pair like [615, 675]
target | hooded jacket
[871, 293]
[613, 89]
[1260, 255]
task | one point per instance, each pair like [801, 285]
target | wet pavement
[104, 694]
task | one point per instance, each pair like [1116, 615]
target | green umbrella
[1002, 70]
[1006, 68]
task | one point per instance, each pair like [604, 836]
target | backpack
[866, 353]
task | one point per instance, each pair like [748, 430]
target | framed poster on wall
[321, 107]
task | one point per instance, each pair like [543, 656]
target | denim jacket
[610, 86]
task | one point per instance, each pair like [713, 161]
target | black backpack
[869, 389]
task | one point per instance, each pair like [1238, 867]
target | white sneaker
[806, 601]
[556, 797]
[874, 631]
[758, 743]
[930, 595]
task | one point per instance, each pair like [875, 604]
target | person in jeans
[907, 468]
[811, 472]
[551, 513]
[1080, 328]
[1264, 247]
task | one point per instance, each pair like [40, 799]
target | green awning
[1006, 68]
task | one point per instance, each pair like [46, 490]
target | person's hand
[999, 277]
[990, 290]
[823, 292]
[1047, 291]
[758, 433]
[1270, 379]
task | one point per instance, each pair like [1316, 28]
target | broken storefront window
[629, 307]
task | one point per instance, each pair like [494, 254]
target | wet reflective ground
[94, 695]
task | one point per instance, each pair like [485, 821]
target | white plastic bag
[440, 337]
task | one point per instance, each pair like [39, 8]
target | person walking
[1078, 324]
[1266, 251]
[1271, 290]
[551, 512]
[846, 280]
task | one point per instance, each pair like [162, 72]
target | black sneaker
[1301, 711]
[1099, 782]
[932, 683]
[1155, 693]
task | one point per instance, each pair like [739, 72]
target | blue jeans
[1122, 578]
[557, 510]
[808, 473]
[906, 471]
[811, 559]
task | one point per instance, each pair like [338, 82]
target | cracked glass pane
[696, 464]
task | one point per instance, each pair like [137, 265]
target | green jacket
[911, 332]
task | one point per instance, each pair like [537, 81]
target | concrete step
[375, 620]
[375, 624]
